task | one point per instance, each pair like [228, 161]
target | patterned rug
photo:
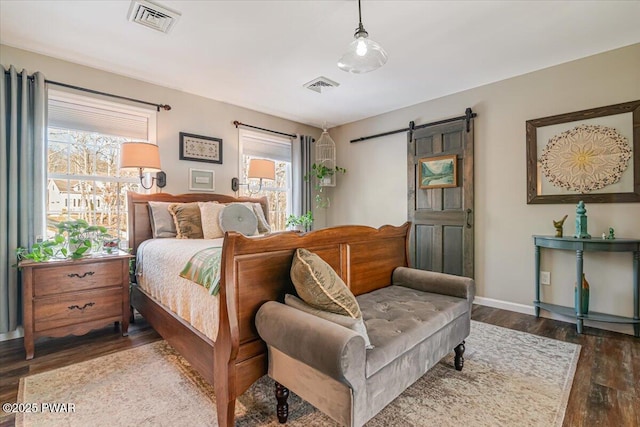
[509, 378]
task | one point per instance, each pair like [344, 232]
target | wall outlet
[545, 277]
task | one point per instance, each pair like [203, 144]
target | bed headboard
[140, 224]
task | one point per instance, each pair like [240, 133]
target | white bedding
[159, 263]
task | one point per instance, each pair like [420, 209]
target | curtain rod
[467, 117]
[290, 135]
[97, 92]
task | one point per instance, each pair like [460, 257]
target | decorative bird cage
[326, 158]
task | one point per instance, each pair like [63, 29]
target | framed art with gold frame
[438, 172]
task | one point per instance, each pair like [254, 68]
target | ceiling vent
[321, 84]
[153, 16]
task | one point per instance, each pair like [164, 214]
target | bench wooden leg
[282, 394]
[459, 360]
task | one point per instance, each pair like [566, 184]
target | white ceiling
[258, 54]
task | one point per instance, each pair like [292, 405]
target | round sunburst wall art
[585, 158]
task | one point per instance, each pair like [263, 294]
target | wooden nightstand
[72, 297]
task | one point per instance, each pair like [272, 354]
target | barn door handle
[88, 273]
[468, 218]
[89, 304]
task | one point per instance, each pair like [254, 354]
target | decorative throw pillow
[238, 217]
[210, 217]
[319, 286]
[162, 224]
[356, 325]
[263, 225]
[186, 217]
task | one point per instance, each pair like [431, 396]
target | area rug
[509, 378]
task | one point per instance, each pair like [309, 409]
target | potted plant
[74, 239]
[302, 222]
[41, 251]
[322, 175]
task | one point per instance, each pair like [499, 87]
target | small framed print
[202, 180]
[439, 172]
[200, 148]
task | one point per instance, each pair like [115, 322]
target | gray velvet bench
[412, 323]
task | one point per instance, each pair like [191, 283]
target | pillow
[356, 325]
[162, 224]
[210, 218]
[263, 225]
[320, 287]
[186, 217]
[237, 217]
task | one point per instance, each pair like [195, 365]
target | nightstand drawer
[76, 277]
[69, 309]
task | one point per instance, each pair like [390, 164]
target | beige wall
[373, 192]
[189, 113]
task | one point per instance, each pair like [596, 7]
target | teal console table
[589, 245]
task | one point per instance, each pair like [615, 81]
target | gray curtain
[23, 177]
[302, 155]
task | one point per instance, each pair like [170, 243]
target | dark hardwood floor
[605, 392]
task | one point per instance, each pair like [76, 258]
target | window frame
[242, 172]
[71, 207]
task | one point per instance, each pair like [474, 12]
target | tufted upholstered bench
[412, 323]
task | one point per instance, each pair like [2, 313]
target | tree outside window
[85, 181]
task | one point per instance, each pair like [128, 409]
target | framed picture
[438, 172]
[202, 180]
[200, 148]
[590, 155]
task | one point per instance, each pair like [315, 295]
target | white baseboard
[18, 333]
[505, 305]
[529, 309]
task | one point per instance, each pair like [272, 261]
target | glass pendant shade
[362, 56]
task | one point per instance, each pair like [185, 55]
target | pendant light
[363, 54]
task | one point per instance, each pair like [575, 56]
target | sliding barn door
[442, 234]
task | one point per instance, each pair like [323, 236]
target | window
[278, 192]
[84, 179]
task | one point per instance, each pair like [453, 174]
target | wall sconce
[258, 168]
[143, 155]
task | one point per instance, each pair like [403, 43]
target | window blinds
[266, 147]
[74, 115]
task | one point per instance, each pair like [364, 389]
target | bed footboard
[256, 270]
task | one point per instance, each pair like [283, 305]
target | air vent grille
[153, 16]
[321, 84]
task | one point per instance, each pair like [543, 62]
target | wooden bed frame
[254, 271]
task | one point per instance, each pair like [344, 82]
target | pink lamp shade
[262, 168]
[141, 155]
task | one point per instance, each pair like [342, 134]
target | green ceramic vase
[585, 296]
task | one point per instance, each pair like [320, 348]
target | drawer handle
[89, 304]
[88, 273]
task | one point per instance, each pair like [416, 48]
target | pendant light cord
[360, 31]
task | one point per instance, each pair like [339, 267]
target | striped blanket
[204, 269]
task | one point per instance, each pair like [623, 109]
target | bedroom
[599, 72]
